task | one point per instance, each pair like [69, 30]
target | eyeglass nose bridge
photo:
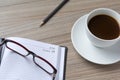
[32, 53]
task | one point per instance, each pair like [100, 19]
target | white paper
[16, 67]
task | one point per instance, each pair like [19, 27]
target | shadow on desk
[110, 67]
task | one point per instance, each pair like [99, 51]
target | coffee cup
[103, 27]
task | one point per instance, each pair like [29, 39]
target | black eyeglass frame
[5, 41]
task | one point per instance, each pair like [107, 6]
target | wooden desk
[22, 18]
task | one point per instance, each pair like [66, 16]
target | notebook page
[24, 68]
[61, 64]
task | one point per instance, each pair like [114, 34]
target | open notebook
[16, 67]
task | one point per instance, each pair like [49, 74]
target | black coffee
[104, 27]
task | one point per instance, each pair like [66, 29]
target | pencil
[53, 12]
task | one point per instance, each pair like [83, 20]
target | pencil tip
[42, 23]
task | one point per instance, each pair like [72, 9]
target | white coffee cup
[99, 42]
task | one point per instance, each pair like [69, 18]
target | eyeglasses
[23, 51]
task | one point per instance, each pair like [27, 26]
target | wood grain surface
[21, 18]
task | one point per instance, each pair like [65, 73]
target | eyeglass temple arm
[2, 41]
[1, 49]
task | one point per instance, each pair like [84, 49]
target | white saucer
[91, 53]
